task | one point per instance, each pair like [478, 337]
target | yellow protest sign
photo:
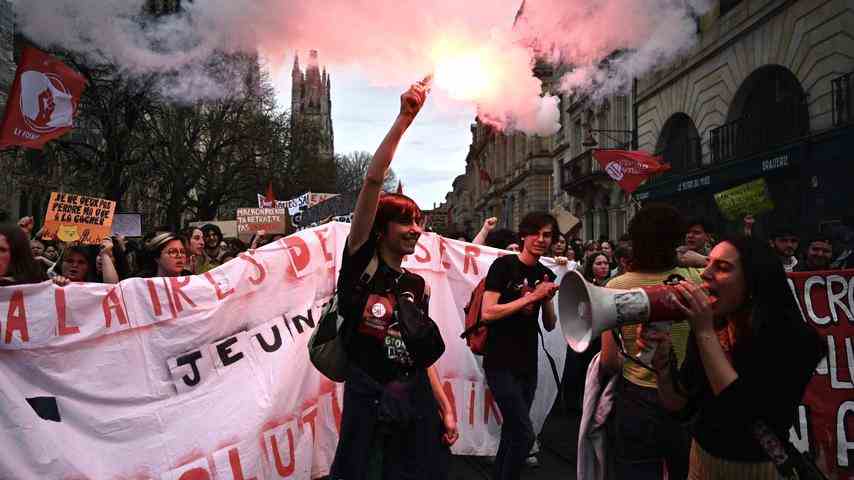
[751, 198]
[76, 218]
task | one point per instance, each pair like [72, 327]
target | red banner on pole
[824, 422]
[43, 101]
[629, 168]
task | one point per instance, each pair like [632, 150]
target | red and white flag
[629, 168]
[43, 101]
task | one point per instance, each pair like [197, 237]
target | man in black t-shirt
[517, 287]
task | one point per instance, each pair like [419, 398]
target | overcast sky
[432, 152]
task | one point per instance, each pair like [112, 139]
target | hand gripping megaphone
[585, 310]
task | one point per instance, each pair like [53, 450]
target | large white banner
[208, 376]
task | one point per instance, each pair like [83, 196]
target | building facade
[586, 191]
[766, 94]
[510, 174]
[311, 113]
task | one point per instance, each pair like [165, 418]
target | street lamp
[590, 142]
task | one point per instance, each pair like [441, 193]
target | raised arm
[488, 225]
[108, 269]
[366, 205]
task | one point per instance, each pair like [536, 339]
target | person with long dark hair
[195, 239]
[597, 269]
[17, 265]
[750, 357]
[397, 421]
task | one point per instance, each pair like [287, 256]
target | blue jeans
[514, 394]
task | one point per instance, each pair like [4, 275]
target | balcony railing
[727, 140]
[746, 136]
[579, 171]
[843, 99]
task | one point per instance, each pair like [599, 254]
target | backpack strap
[560, 396]
[370, 270]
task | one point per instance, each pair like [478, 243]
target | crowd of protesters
[712, 367]
[27, 258]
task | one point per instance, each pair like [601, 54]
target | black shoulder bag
[327, 345]
[419, 332]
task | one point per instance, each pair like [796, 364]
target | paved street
[557, 454]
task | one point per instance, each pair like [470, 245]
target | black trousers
[514, 394]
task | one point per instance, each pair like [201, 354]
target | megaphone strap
[622, 349]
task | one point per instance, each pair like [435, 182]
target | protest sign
[298, 204]
[127, 224]
[320, 198]
[264, 202]
[824, 422]
[208, 376]
[271, 220]
[76, 218]
[305, 201]
[227, 227]
[751, 198]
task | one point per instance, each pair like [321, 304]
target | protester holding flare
[748, 368]
[394, 411]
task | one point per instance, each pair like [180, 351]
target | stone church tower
[311, 112]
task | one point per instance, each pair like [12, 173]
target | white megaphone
[585, 310]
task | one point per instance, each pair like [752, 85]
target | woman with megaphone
[750, 356]
[647, 440]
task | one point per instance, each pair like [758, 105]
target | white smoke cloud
[392, 41]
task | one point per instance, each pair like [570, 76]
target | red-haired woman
[397, 420]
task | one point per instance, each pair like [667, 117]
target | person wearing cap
[784, 241]
[165, 255]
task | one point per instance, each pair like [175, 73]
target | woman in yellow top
[647, 439]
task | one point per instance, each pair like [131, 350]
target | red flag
[629, 168]
[270, 197]
[43, 101]
[400, 187]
